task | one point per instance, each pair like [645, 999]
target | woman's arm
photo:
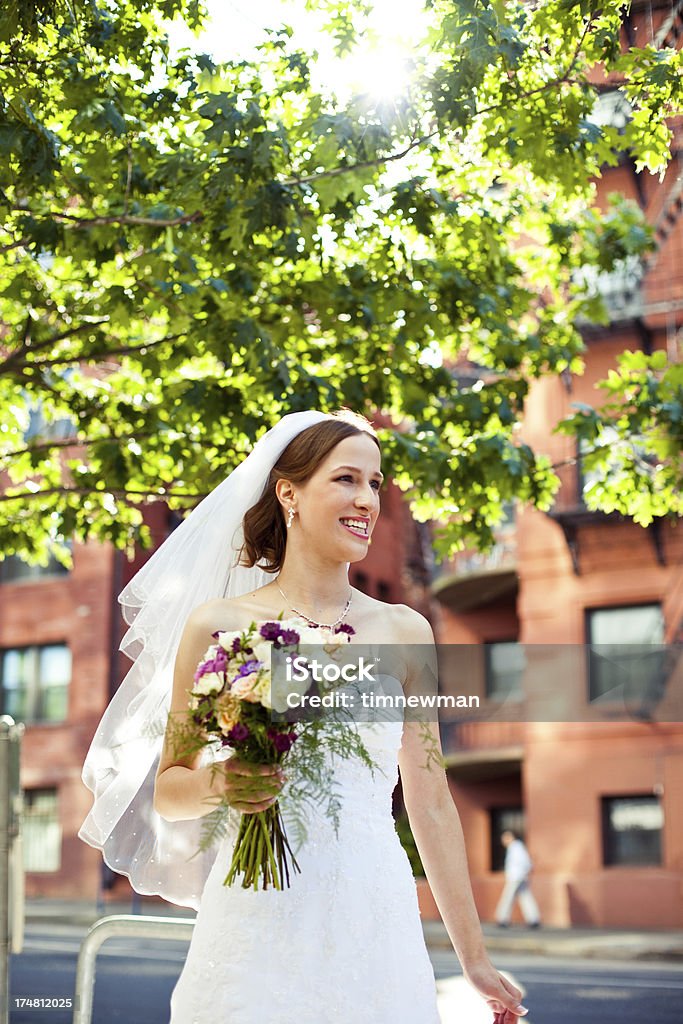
[435, 824]
[182, 789]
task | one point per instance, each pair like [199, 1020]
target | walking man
[517, 870]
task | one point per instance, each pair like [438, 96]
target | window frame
[589, 644]
[54, 570]
[608, 858]
[516, 696]
[36, 692]
[53, 820]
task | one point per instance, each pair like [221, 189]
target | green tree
[189, 249]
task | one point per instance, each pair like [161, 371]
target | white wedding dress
[342, 945]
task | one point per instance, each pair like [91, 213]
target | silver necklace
[309, 620]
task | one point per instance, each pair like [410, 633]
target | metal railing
[127, 925]
[11, 865]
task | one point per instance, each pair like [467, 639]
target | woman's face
[339, 504]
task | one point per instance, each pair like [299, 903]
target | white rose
[225, 639]
[311, 635]
[255, 688]
[262, 690]
[283, 689]
[244, 688]
[210, 682]
[307, 634]
[262, 652]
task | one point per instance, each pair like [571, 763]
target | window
[173, 521]
[41, 425]
[611, 108]
[620, 289]
[626, 652]
[632, 830]
[504, 665]
[509, 516]
[13, 568]
[42, 833]
[35, 683]
[502, 819]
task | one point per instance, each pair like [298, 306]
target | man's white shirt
[517, 861]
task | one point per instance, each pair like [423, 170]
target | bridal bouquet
[232, 704]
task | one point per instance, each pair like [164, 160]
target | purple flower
[236, 644]
[248, 667]
[270, 630]
[238, 734]
[282, 741]
[288, 637]
[345, 628]
[218, 663]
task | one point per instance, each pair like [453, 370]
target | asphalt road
[135, 979]
[561, 991]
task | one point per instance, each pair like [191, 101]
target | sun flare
[381, 72]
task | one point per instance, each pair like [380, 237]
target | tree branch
[158, 222]
[87, 357]
[28, 347]
[361, 165]
[123, 350]
[71, 442]
[116, 492]
[15, 245]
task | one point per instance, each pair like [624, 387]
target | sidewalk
[86, 912]
[580, 943]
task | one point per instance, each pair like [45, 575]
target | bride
[344, 943]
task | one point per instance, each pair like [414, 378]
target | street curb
[625, 946]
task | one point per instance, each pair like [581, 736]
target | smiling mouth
[356, 527]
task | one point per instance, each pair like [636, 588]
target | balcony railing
[503, 554]
[569, 497]
[621, 289]
[483, 736]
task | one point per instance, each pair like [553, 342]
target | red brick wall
[75, 610]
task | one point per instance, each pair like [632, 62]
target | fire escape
[623, 292]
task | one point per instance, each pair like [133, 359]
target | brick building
[600, 801]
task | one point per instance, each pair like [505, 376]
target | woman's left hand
[503, 998]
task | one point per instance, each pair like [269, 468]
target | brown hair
[265, 533]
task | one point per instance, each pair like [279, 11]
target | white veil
[196, 563]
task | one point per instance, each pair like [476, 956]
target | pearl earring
[290, 516]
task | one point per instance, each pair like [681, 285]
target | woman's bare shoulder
[223, 613]
[412, 627]
[396, 623]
